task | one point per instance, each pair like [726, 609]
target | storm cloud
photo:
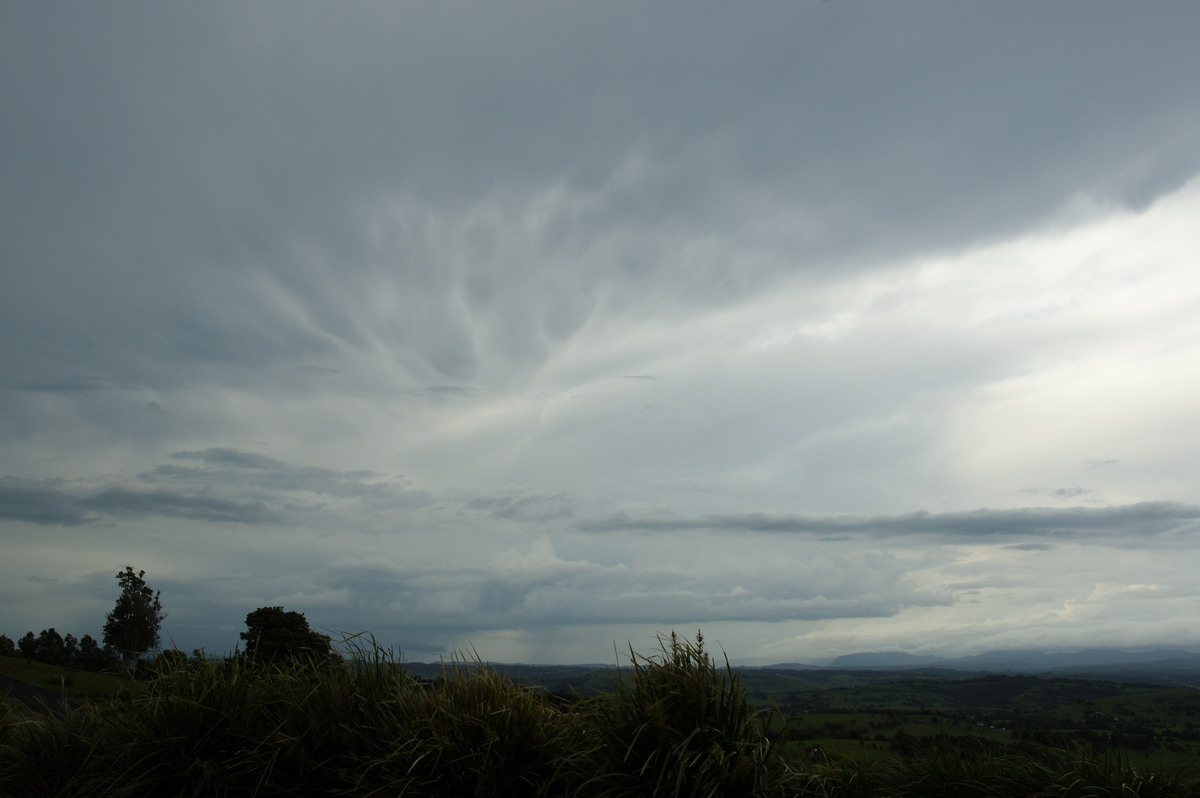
[534, 328]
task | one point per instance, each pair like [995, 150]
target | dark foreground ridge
[674, 723]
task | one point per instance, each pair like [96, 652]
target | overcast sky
[538, 328]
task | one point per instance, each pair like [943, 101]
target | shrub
[679, 726]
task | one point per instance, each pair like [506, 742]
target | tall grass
[675, 724]
[680, 726]
[240, 729]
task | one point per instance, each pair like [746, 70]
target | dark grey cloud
[518, 507]
[121, 502]
[1069, 493]
[39, 502]
[54, 503]
[1148, 518]
[66, 384]
[225, 456]
[231, 486]
[239, 470]
[159, 156]
[472, 599]
[1059, 493]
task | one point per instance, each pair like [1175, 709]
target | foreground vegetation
[674, 724]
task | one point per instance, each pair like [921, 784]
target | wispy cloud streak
[1142, 518]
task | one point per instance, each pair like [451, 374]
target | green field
[1152, 726]
[68, 680]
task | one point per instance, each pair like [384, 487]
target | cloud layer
[538, 328]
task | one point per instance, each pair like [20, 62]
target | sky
[539, 329]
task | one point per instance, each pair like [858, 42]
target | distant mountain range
[1154, 666]
[1020, 660]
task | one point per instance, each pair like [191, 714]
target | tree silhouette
[132, 626]
[51, 647]
[28, 646]
[91, 656]
[275, 635]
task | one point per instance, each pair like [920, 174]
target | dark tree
[29, 646]
[51, 649]
[132, 626]
[170, 660]
[71, 649]
[275, 635]
[7, 647]
[91, 656]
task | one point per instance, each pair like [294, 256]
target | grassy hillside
[76, 682]
[673, 724]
